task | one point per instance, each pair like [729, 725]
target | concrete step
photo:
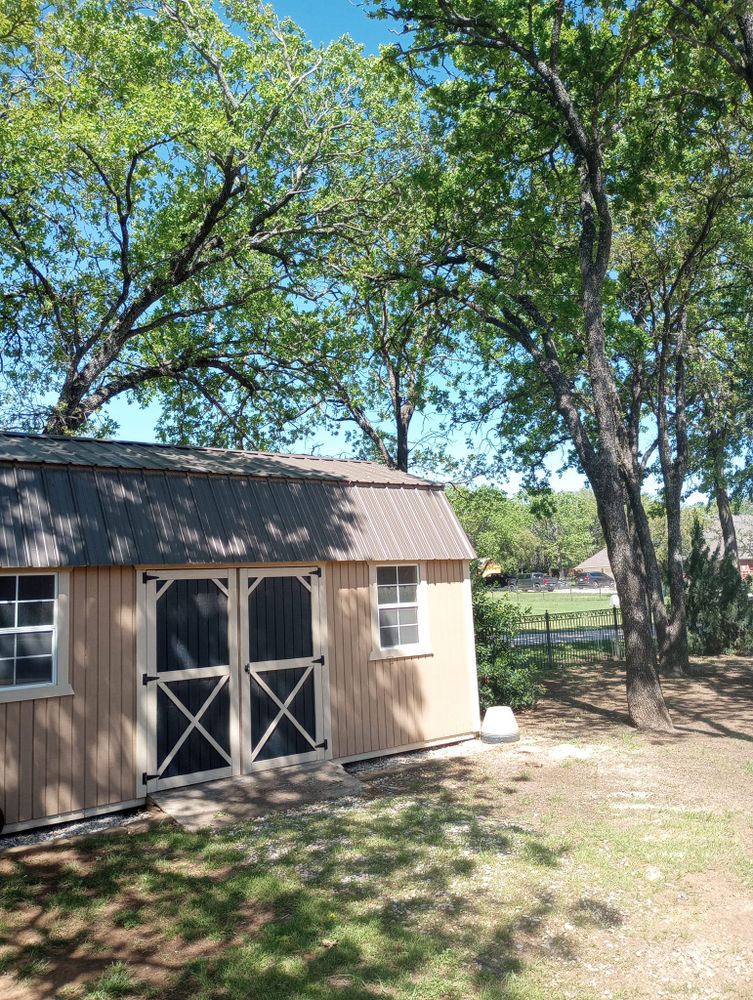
[215, 804]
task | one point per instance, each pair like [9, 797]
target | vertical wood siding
[379, 704]
[58, 755]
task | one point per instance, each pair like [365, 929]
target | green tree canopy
[170, 173]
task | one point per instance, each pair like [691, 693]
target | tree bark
[646, 706]
[654, 585]
[677, 662]
[726, 519]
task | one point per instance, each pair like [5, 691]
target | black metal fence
[554, 641]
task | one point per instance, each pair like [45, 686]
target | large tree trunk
[646, 706]
[677, 662]
[653, 577]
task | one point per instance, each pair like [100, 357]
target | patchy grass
[539, 872]
[556, 602]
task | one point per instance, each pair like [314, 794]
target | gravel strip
[78, 828]
[377, 764]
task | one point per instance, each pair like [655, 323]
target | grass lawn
[588, 861]
[557, 602]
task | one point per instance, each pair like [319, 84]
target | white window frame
[420, 648]
[60, 685]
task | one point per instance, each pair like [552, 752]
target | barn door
[189, 686]
[284, 668]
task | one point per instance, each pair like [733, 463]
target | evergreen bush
[503, 678]
[719, 612]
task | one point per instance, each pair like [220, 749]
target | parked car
[594, 579]
[533, 581]
[496, 580]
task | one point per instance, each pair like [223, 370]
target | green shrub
[504, 677]
[719, 613]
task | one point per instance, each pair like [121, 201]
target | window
[398, 606]
[28, 631]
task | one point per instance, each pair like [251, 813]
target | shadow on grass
[351, 900]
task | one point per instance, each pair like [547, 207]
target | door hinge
[146, 577]
[145, 678]
[147, 777]
[324, 745]
[247, 668]
[316, 572]
[319, 660]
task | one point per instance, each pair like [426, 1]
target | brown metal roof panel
[298, 515]
[118, 524]
[94, 533]
[71, 549]
[190, 520]
[328, 511]
[295, 521]
[368, 541]
[451, 520]
[171, 547]
[39, 528]
[11, 523]
[256, 515]
[235, 543]
[246, 538]
[137, 501]
[342, 521]
[270, 522]
[209, 516]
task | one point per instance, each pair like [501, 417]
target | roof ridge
[187, 447]
[199, 450]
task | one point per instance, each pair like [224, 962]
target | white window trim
[60, 686]
[420, 648]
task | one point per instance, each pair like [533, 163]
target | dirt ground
[590, 861]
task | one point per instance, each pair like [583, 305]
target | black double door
[284, 667]
[218, 700]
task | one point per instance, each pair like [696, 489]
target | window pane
[7, 588]
[408, 616]
[36, 613]
[6, 672]
[407, 574]
[386, 574]
[34, 644]
[388, 637]
[387, 595]
[388, 617]
[34, 670]
[7, 615]
[36, 588]
[408, 593]
[8, 646]
[408, 635]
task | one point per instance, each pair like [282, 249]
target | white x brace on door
[189, 688]
[285, 681]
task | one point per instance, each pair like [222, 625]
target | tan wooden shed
[173, 615]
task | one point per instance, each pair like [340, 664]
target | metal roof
[92, 452]
[61, 512]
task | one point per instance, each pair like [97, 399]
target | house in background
[744, 530]
[173, 615]
[597, 563]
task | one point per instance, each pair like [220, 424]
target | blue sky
[323, 21]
